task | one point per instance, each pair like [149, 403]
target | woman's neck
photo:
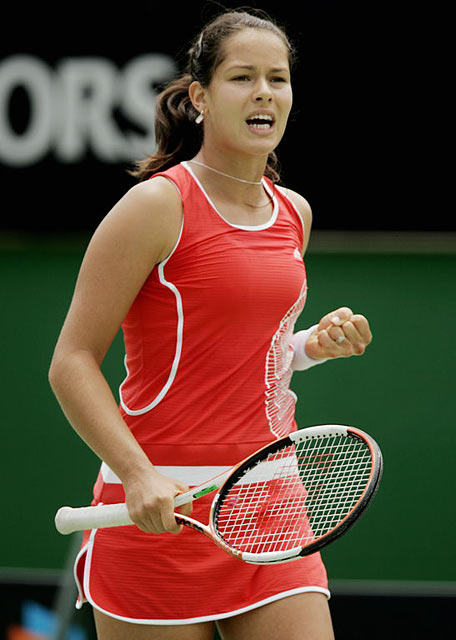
[236, 180]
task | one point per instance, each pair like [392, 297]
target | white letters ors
[82, 105]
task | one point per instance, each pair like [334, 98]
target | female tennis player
[201, 265]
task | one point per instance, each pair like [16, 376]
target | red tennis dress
[208, 361]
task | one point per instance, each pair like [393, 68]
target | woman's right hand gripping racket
[287, 500]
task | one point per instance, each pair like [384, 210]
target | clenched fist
[340, 333]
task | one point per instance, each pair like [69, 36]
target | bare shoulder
[149, 215]
[158, 191]
[153, 202]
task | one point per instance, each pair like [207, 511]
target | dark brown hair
[177, 136]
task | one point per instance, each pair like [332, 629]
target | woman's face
[248, 101]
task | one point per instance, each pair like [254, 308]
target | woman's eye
[247, 78]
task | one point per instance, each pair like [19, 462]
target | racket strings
[294, 496]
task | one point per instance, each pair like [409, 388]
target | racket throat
[271, 557]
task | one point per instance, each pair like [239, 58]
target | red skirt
[181, 579]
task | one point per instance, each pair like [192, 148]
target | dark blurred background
[77, 90]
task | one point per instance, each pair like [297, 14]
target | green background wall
[401, 391]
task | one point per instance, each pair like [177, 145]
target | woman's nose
[262, 92]
[260, 98]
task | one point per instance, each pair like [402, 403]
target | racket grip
[68, 519]
[71, 519]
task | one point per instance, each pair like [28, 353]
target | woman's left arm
[340, 333]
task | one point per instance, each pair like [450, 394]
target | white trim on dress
[181, 621]
[285, 194]
[179, 336]
[245, 227]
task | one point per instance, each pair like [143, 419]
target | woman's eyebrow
[251, 67]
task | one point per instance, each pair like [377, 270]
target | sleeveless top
[207, 339]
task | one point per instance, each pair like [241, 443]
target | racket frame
[342, 527]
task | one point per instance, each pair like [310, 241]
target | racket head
[297, 494]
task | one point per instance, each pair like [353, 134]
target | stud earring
[200, 118]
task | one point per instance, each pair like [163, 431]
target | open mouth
[261, 122]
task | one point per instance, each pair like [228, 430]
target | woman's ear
[197, 96]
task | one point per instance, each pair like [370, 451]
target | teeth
[253, 121]
[261, 116]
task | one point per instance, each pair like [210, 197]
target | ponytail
[177, 136]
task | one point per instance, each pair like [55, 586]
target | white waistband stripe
[191, 476]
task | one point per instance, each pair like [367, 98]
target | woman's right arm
[139, 232]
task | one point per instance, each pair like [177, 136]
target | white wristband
[301, 360]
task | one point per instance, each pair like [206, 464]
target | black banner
[77, 90]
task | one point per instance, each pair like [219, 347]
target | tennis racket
[289, 499]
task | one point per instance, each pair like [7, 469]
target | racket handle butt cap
[62, 523]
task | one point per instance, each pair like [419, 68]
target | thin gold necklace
[224, 174]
